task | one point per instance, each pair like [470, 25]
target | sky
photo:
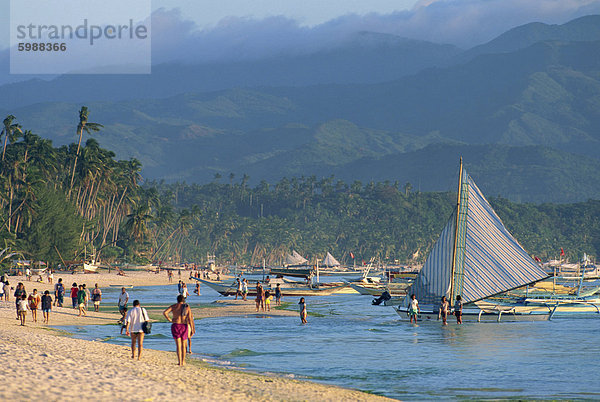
[209, 30]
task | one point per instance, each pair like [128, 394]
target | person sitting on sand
[34, 302]
[46, 306]
[133, 327]
[182, 316]
[303, 312]
[22, 309]
[81, 301]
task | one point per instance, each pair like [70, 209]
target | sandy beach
[42, 362]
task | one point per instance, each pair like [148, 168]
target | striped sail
[488, 258]
[433, 280]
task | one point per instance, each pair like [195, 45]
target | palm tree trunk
[74, 163]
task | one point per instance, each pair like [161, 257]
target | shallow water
[356, 345]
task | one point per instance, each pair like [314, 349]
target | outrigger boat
[230, 290]
[476, 257]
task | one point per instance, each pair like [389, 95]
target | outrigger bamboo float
[476, 257]
[230, 290]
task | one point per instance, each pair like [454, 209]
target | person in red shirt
[74, 290]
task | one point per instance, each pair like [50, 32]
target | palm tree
[9, 129]
[88, 127]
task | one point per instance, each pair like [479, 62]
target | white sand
[38, 362]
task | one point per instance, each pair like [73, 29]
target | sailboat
[475, 257]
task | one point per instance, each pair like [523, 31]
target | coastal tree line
[69, 203]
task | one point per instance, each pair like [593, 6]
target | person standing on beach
[81, 300]
[123, 299]
[458, 306]
[59, 293]
[238, 290]
[182, 317]
[277, 295]
[443, 313]
[74, 291]
[96, 297]
[6, 287]
[22, 309]
[133, 327]
[260, 294]
[34, 302]
[244, 288]
[46, 306]
[303, 312]
[87, 296]
[20, 293]
[414, 308]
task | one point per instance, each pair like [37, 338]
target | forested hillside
[532, 92]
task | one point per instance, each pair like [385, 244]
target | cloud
[464, 23]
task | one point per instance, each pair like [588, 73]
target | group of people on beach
[34, 301]
[24, 302]
[443, 310]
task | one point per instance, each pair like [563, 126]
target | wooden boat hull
[230, 290]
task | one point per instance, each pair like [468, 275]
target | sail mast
[460, 172]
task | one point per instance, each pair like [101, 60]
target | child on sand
[268, 298]
[46, 306]
[22, 309]
[303, 312]
[414, 308]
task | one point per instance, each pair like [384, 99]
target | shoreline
[46, 362]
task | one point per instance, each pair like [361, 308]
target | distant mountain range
[524, 110]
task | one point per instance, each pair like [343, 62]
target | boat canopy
[475, 256]
[329, 261]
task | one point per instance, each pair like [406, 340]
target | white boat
[475, 257]
[90, 267]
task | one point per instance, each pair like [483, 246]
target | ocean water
[353, 344]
